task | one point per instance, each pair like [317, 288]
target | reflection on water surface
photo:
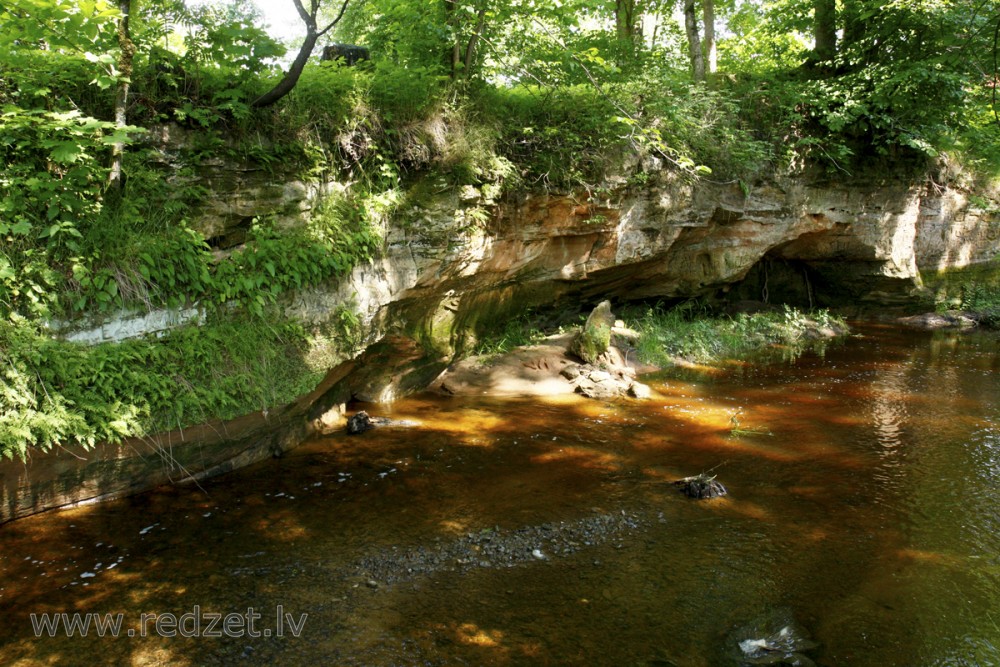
[528, 532]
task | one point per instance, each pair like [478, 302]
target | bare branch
[335, 21]
[309, 21]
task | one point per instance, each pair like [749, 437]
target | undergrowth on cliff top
[694, 334]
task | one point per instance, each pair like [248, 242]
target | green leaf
[66, 152]
[21, 228]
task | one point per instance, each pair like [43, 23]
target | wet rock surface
[362, 421]
[776, 640]
[701, 487]
[952, 319]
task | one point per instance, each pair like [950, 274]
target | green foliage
[766, 38]
[558, 137]
[274, 262]
[706, 127]
[50, 192]
[330, 99]
[515, 332]
[56, 393]
[223, 61]
[690, 333]
[982, 298]
[402, 32]
[405, 94]
[72, 33]
[175, 267]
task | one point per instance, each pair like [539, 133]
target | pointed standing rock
[594, 339]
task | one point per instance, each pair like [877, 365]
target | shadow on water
[547, 532]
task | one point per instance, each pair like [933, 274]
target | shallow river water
[865, 513]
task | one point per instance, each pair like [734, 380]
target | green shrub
[559, 137]
[691, 333]
[57, 393]
[404, 94]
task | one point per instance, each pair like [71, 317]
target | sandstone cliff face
[440, 281]
[446, 275]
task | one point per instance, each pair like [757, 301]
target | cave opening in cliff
[235, 234]
[776, 281]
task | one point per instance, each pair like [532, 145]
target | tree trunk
[313, 33]
[625, 18]
[291, 77]
[454, 58]
[854, 25]
[711, 53]
[127, 48]
[470, 48]
[694, 43]
[825, 29]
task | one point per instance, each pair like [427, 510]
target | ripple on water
[520, 532]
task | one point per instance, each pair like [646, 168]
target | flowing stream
[863, 512]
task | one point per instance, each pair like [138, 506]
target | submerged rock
[701, 487]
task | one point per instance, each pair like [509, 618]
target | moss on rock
[595, 337]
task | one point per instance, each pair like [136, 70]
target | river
[863, 511]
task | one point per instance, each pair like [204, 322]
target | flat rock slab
[952, 319]
[548, 369]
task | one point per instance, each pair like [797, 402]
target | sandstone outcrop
[447, 276]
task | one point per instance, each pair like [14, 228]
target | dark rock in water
[701, 487]
[361, 422]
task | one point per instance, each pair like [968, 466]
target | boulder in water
[361, 422]
[701, 487]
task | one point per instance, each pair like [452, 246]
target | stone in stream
[361, 422]
[639, 390]
[782, 647]
[701, 487]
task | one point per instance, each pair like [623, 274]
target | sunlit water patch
[861, 528]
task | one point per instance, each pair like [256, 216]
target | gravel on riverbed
[495, 547]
